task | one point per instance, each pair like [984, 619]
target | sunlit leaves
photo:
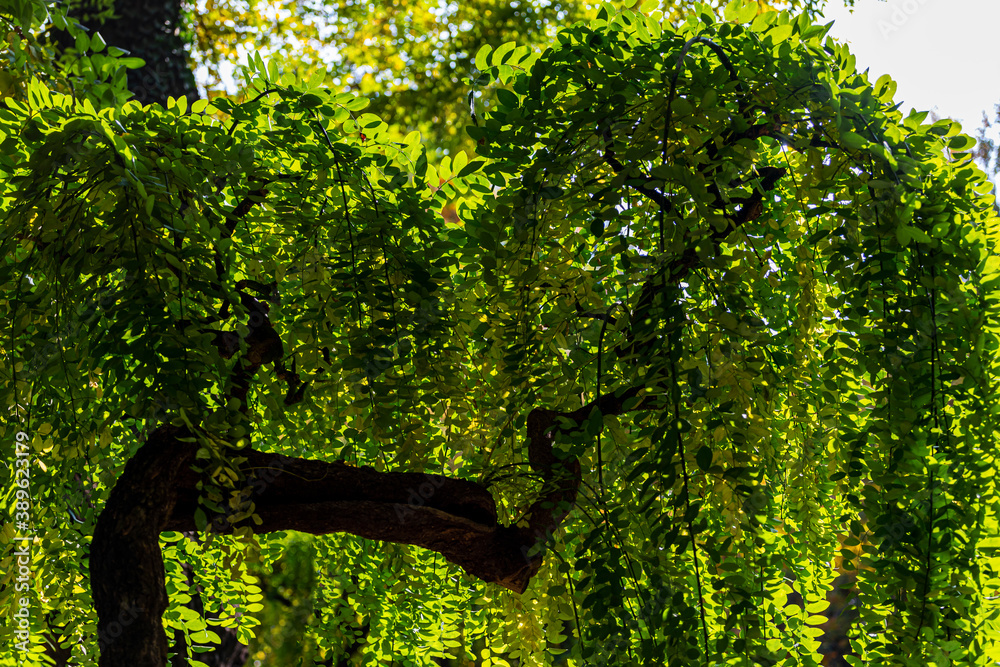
[800, 279]
[839, 332]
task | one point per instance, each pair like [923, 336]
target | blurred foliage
[292, 602]
[987, 150]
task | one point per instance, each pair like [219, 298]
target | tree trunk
[147, 29]
[457, 518]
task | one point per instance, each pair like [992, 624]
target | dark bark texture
[457, 518]
[147, 29]
[126, 566]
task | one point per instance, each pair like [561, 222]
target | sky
[939, 52]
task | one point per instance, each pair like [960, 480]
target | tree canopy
[708, 336]
[412, 60]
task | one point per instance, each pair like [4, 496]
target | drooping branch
[751, 208]
[642, 183]
[252, 198]
[674, 271]
[737, 210]
[159, 491]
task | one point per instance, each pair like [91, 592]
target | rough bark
[147, 29]
[457, 518]
[126, 566]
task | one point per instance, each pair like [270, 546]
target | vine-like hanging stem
[935, 363]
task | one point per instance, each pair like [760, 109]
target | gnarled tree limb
[457, 518]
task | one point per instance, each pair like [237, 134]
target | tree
[987, 152]
[413, 60]
[150, 31]
[715, 325]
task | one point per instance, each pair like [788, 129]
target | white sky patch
[942, 53]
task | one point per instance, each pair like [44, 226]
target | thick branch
[248, 202]
[751, 208]
[158, 491]
[639, 181]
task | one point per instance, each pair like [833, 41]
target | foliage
[820, 368]
[88, 70]
[800, 282]
[413, 60]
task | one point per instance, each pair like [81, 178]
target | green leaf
[369, 121]
[310, 101]
[471, 168]
[741, 11]
[459, 162]
[817, 236]
[961, 143]
[482, 57]
[208, 637]
[852, 140]
[507, 98]
[780, 33]
[317, 79]
[502, 53]
[904, 235]
[885, 88]
[132, 63]
[704, 457]
[356, 103]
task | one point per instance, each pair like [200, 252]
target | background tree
[714, 324]
[986, 148]
[412, 60]
[151, 31]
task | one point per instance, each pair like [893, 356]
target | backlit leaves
[724, 213]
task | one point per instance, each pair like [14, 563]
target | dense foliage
[413, 60]
[782, 292]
